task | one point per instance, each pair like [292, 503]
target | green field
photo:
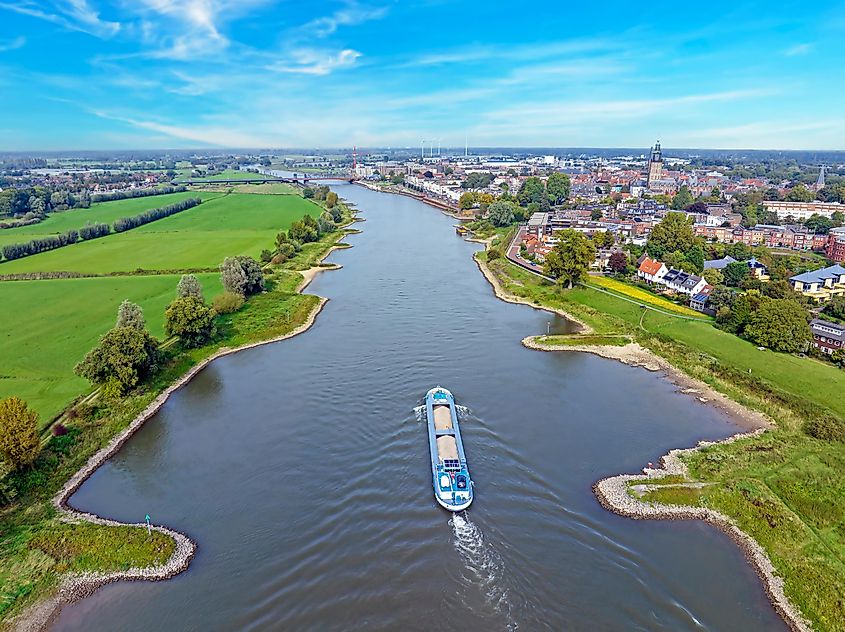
[201, 237]
[46, 327]
[104, 212]
[227, 174]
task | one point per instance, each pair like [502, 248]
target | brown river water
[301, 469]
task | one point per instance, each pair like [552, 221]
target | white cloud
[352, 14]
[12, 44]
[310, 62]
[76, 15]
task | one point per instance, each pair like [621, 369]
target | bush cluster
[126, 223]
[136, 193]
[227, 303]
[92, 231]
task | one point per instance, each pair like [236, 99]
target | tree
[531, 190]
[735, 273]
[571, 257]
[558, 187]
[695, 256]
[618, 262]
[780, 325]
[19, 441]
[191, 319]
[819, 224]
[673, 232]
[596, 214]
[122, 358]
[835, 308]
[466, 201]
[500, 213]
[325, 224]
[130, 315]
[241, 275]
[331, 199]
[682, 199]
[800, 193]
[189, 286]
[714, 276]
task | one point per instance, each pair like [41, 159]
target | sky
[139, 74]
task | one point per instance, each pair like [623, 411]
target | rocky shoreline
[78, 586]
[612, 493]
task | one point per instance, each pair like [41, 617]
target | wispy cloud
[12, 44]
[311, 62]
[76, 15]
[350, 15]
[798, 49]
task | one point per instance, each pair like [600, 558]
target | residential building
[835, 247]
[828, 337]
[683, 282]
[651, 270]
[821, 285]
[801, 211]
[700, 301]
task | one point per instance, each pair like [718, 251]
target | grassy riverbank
[37, 549]
[784, 488]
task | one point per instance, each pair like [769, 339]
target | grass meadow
[201, 237]
[104, 212]
[46, 327]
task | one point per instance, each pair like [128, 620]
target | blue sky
[91, 74]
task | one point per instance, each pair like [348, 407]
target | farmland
[201, 237]
[46, 327]
[104, 212]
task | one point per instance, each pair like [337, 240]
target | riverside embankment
[257, 460]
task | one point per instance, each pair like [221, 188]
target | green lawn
[201, 237]
[104, 212]
[46, 327]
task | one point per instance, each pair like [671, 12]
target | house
[683, 282]
[835, 246]
[700, 301]
[651, 270]
[821, 285]
[828, 337]
[719, 264]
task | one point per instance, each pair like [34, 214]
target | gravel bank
[613, 495]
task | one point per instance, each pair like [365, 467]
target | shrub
[130, 315]
[493, 253]
[826, 428]
[227, 303]
[59, 430]
[266, 256]
[19, 442]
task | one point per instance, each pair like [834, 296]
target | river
[301, 469]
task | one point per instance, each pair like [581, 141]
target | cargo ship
[450, 475]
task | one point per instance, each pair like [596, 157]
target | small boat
[450, 476]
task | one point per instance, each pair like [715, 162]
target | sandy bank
[633, 354]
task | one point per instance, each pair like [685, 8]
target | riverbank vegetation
[784, 488]
[36, 547]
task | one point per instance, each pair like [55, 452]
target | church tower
[655, 165]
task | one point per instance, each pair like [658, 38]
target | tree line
[93, 231]
[111, 196]
[127, 223]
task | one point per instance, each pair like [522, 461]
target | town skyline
[207, 73]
